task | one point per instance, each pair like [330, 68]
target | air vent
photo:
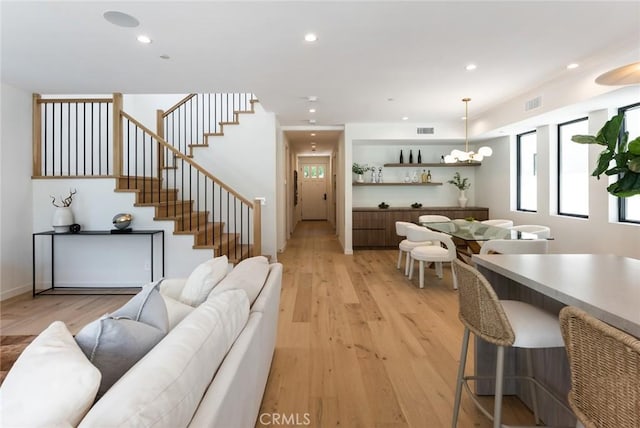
[424, 130]
[533, 103]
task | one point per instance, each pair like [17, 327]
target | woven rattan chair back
[480, 311]
[605, 371]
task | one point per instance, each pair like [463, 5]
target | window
[629, 208]
[573, 170]
[527, 183]
[313, 171]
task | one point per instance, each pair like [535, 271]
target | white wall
[143, 106]
[105, 261]
[15, 191]
[600, 233]
[282, 183]
[403, 196]
[245, 159]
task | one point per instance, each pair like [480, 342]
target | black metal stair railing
[198, 116]
[193, 198]
[72, 137]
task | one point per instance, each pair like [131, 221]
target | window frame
[518, 168]
[559, 167]
[622, 204]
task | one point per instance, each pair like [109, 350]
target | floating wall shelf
[432, 165]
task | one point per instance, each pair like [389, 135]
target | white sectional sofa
[209, 370]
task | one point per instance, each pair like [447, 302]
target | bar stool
[406, 245]
[503, 323]
[605, 371]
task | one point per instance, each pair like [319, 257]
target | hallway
[359, 345]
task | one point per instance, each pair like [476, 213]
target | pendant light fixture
[468, 155]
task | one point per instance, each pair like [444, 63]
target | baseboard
[15, 291]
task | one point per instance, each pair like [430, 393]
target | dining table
[469, 235]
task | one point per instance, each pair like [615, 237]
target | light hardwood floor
[359, 345]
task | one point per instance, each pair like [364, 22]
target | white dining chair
[498, 222]
[433, 218]
[406, 245]
[543, 232]
[441, 250]
[515, 246]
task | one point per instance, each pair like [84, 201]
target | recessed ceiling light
[390, 99]
[312, 98]
[463, 117]
[165, 56]
[310, 37]
[405, 118]
[120, 19]
[312, 121]
[573, 65]
[470, 67]
[312, 110]
[144, 39]
[313, 134]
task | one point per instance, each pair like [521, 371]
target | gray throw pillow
[115, 345]
[115, 342]
[147, 306]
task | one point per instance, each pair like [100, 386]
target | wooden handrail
[37, 136]
[179, 104]
[74, 100]
[201, 169]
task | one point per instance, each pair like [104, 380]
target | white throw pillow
[176, 310]
[52, 384]
[248, 275]
[202, 280]
[164, 389]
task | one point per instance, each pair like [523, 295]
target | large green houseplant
[626, 155]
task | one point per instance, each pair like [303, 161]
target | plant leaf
[627, 185]
[586, 139]
[610, 131]
[634, 146]
[603, 162]
[634, 164]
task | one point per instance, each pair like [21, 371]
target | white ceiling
[367, 52]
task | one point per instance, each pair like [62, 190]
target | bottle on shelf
[407, 179]
[380, 175]
[414, 179]
[429, 176]
[401, 157]
[410, 156]
[423, 176]
[373, 175]
[419, 157]
[441, 159]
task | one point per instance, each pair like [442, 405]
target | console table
[134, 233]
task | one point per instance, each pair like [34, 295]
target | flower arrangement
[360, 169]
[459, 182]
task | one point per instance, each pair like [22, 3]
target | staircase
[198, 203]
[187, 220]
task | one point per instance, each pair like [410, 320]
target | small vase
[360, 179]
[462, 199]
[62, 219]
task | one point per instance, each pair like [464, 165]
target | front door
[313, 192]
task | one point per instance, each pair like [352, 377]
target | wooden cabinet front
[375, 227]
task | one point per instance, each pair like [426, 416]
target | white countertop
[604, 285]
